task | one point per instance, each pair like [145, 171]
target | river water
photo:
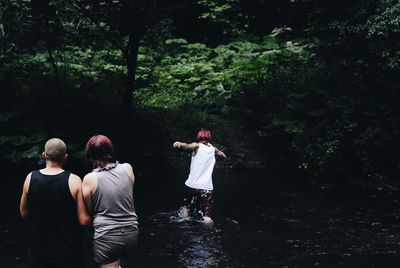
[261, 220]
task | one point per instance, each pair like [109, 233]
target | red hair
[99, 151]
[204, 136]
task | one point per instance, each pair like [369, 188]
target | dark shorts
[199, 201]
[119, 243]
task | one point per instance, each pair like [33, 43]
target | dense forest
[302, 86]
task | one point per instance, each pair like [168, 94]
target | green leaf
[33, 152]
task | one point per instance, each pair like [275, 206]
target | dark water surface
[260, 221]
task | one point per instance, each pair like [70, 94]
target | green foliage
[383, 30]
[226, 15]
[20, 142]
[319, 97]
[194, 76]
[16, 148]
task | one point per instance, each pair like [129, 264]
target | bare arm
[23, 205]
[129, 171]
[89, 185]
[219, 152]
[190, 147]
[75, 186]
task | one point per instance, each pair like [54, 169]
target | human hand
[177, 144]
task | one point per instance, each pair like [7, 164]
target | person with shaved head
[52, 202]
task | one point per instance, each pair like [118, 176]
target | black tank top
[54, 230]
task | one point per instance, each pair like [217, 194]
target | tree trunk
[2, 32]
[56, 74]
[131, 55]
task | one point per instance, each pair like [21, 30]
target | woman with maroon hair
[199, 184]
[108, 194]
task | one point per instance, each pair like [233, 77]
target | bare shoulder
[129, 170]
[90, 177]
[75, 178]
[28, 177]
[74, 182]
[127, 166]
[27, 182]
[193, 146]
[90, 182]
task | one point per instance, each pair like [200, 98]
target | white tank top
[201, 168]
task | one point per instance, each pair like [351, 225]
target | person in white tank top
[199, 183]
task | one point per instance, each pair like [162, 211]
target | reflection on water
[258, 223]
[200, 249]
[199, 244]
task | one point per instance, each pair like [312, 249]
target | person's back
[52, 202]
[113, 204]
[199, 183]
[201, 168]
[108, 193]
[53, 223]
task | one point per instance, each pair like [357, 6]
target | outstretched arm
[191, 147]
[219, 152]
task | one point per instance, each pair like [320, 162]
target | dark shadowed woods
[304, 90]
